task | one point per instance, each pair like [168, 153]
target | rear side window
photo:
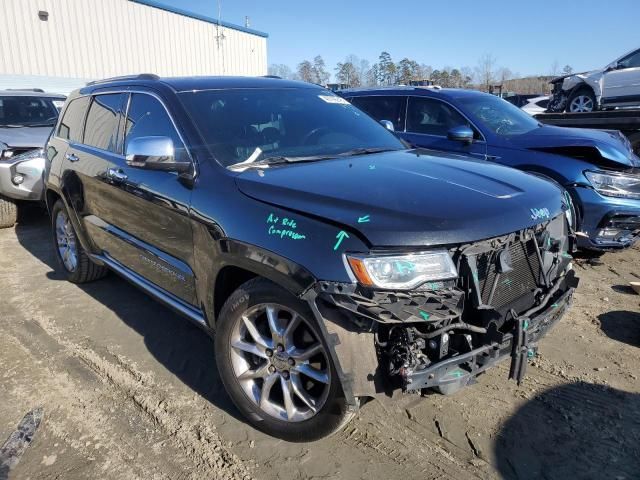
[147, 117]
[101, 127]
[71, 124]
[383, 108]
[432, 117]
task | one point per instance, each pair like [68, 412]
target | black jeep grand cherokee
[333, 264]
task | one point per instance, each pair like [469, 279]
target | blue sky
[526, 37]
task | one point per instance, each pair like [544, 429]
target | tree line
[356, 72]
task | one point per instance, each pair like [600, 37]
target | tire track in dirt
[197, 440]
[387, 432]
[71, 417]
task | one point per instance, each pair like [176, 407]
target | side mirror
[461, 133]
[614, 66]
[388, 125]
[154, 153]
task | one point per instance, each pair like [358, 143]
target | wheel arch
[239, 262]
[51, 197]
[577, 89]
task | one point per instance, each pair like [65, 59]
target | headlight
[615, 184]
[402, 272]
[30, 155]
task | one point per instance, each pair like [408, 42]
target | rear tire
[8, 212]
[582, 100]
[257, 374]
[73, 260]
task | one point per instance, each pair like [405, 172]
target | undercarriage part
[457, 371]
[558, 99]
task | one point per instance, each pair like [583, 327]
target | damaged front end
[565, 86]
[509, 291]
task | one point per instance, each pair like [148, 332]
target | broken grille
[520, 281]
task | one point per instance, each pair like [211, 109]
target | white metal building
[58, 45]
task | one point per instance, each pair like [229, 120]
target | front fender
[214, 254]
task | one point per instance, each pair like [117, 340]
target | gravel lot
[130, 390]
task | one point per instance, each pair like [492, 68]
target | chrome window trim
[130, 91]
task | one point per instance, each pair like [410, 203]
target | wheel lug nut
[285, 374]
[291, 361]
[269, 352]
[280, 348]
[272, 369]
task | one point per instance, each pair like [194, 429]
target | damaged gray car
[616, 85]
[26, 120]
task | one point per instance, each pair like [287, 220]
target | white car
[536, 105]
[616, 85]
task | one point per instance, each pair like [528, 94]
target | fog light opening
[17, 179]
[613, 235]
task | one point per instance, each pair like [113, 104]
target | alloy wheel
[279, 362]
[581, 103]
[66, 242]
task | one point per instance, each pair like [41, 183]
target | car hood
[608, 149]
[408, 198]
[25, 136]
[579, 74]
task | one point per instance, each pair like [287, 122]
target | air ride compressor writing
[283, 228]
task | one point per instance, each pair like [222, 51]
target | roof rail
[272, 76]
[39, 90]
[141, 76]
[429, 87]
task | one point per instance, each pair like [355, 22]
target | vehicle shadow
[625, 289]
[575, 431]
[621, 325]
[183, 348]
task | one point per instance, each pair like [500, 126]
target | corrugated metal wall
[102, 38]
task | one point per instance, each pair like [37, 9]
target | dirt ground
[130, 391]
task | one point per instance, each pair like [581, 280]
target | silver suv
[26, 120]
[616, 85]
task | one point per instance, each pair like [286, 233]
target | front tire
[8, 212]
[73, 260]
[582, 100]
[276, 366]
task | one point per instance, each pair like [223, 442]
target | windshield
[27, 111]
[252, 125]
[498, 115]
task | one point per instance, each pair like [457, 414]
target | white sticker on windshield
[334, 99]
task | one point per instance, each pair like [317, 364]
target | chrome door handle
[117, 174]
[72, 157]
